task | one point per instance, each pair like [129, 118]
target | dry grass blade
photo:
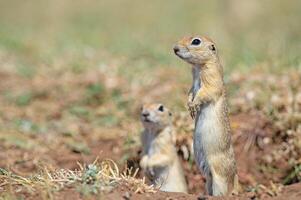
[137, 185]
[103, 176]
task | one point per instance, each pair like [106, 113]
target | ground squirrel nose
[145, 114]
[176, 49]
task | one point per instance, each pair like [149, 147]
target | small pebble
[126, 196]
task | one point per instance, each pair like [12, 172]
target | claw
[192, 112]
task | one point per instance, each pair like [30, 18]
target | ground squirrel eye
[196, 42]
[161, 108]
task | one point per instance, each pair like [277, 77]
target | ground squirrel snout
[160, 161]
[207, 104]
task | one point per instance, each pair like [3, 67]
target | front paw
[194, 107]
[143, 162]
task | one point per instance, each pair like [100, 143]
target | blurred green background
[143, 32]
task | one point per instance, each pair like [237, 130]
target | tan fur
[207, 104]
[160, 161]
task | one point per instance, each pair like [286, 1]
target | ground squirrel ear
[212, 47]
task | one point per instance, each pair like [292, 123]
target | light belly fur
[208, 131]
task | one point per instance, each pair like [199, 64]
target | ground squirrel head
[155, 116]
[196, 50]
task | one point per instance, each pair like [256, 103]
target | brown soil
[292, 192]
[247, 160]
[255, 137]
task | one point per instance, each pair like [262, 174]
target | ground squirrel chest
[196, 80]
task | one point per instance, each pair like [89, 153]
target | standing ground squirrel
[160, 161]
[207, 105]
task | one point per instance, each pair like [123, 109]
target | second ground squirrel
[160, 161]
[207, 105]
